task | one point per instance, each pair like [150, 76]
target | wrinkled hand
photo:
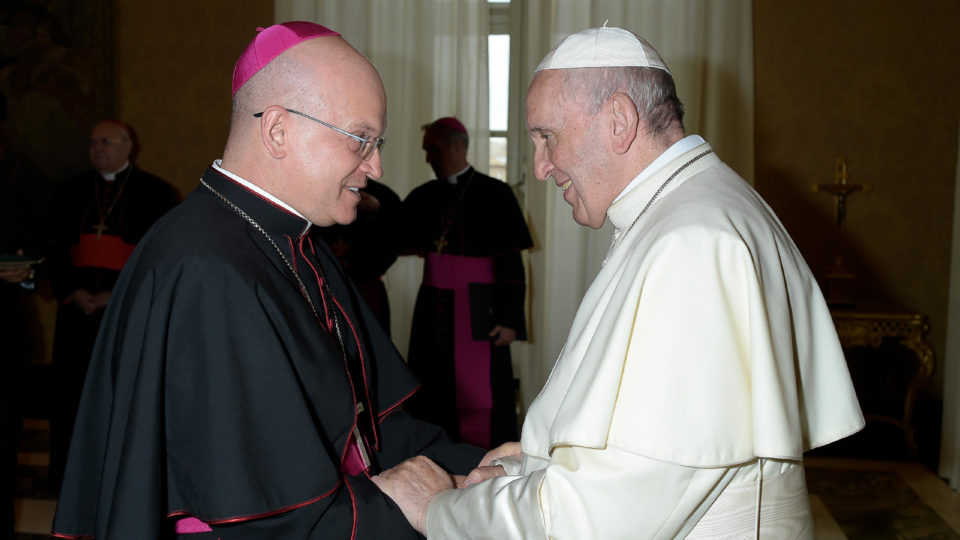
[502, 335]
[15, 275]
[484, 470]
[504, 450]
[480, 474]
[412, 485]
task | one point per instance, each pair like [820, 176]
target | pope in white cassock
[702, 361]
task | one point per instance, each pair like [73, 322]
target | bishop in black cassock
[470, 231]
[240, 388]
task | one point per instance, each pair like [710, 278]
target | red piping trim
[363, 368]
[240, 519]
[316, 275]
[292, 250]
[257, 195]
[393, 407]
[353, 508]
[346, 368]
[363, 361]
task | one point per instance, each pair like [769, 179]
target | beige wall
[174, 65]
[877, 83]
[173, 69]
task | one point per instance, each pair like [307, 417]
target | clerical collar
[453, 179]
[258, 190]
[113, 175]
[676, 150]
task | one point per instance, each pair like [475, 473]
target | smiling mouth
[566, 185]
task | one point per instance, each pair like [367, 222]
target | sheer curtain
[950, 442]
[432, 57]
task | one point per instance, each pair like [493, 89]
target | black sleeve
[509, 291]
[413, 225]
[357, 505]
[404, 437]
[372, 237]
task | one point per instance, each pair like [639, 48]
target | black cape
[477, 217]
[215, 392]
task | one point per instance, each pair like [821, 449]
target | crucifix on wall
[839, 277]
[840, 189]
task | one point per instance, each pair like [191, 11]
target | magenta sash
[189, 525]
[353, 462]
[471, 357]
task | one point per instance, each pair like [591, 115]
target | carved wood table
[868, 335]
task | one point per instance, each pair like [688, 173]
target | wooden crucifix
[840, 189]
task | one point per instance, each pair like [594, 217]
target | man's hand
[502, 335]
[486, 471]
[480, 474]
[15, 275]
[504, 450]
[412, 485]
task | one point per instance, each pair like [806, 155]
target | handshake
[413, 483]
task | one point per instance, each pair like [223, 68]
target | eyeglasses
[367, 146]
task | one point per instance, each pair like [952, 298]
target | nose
[373, 167]
[542, 166]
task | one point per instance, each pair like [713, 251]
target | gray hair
[651, 89]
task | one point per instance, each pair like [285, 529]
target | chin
[585, 221]
[347, 218]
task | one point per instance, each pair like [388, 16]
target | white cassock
[701, 364]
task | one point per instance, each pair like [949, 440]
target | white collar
[676, 149]
[453, 179]
[113, 175]
[256, 189]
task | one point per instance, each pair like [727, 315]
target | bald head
[111, 146]
[297, 156]
[307, 77]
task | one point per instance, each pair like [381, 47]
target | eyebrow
[362, 126]
[539, 130]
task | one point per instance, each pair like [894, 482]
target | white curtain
[432, 57]
[950, 442]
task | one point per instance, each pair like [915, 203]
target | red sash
[108, 251]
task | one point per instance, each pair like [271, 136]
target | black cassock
[215, 391]
[458, 228]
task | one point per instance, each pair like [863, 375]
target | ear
[273, 131]
[626, 122]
